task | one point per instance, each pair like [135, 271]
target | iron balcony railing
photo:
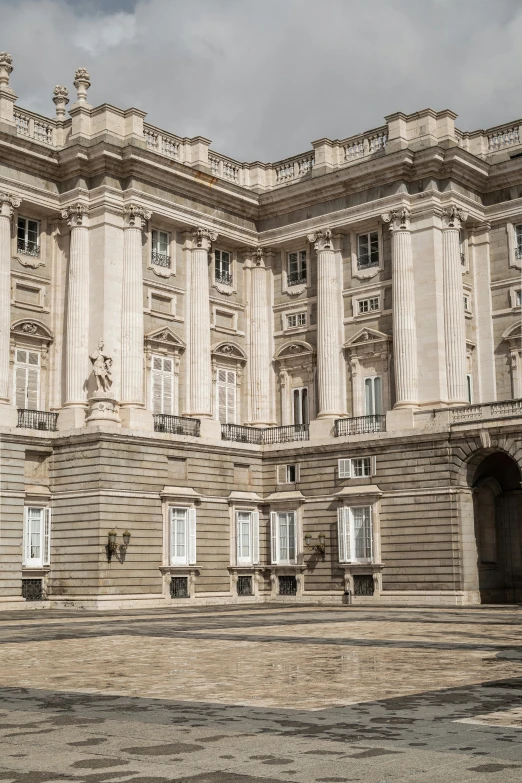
[28, 248]
[37, 420]
[360, 425]
[264, 436]
[176, 425]
[295, 278]
[160, 259]
[365, 262]
[223, 277]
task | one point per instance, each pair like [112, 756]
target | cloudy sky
[263, 78]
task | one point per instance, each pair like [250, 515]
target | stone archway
[497, 507]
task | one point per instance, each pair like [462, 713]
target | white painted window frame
[228, 385]
[252, 558]
[162, 271]
[174, 396]
[275, 538]
[511, 228]
[190, 535]
[372, 378]
[21, 365]
[346, 534]
[355, 233]
[294, 290]
[282, 473]
[346, 467]
[44, 558]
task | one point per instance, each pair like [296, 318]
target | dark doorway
[497, 503]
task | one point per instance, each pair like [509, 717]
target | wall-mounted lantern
[319, 547]
[113, 550]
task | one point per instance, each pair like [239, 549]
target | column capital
[75, 215]
[453, 217]
[8, 203]
[136, 216]
[321, 239]
[203, 237]
[398, 219]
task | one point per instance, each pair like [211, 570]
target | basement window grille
[244, 585]
[363, 584]
[179, 587]
[287, 585]
[32, 589]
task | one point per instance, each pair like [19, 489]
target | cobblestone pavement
[260, 694]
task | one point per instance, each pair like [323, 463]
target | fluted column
[132, 332]
[260, 359]
[404, 328]
[454, 318]
[199, 370]
[329, 344]
[7, 204]
[77, 334]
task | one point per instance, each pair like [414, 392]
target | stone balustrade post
[8, 203]
[72, 414]
[329, 342]
[404, 328]
[454, 317]
[132, 409]
[260, 335]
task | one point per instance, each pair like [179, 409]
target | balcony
[296, 278]
[360, 425]
[223, 277]
[37, 420]
[28, 248]
[176, 425]
[160, 259]
[264, 436]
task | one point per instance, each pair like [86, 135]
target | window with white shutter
[27, 379]
[226, 396]
[355, 534]
[247, 537]
[37, 537]
[182, 536]
[373, 395]
[283, 537]
[162, 384]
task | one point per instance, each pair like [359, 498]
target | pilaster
[260, 354]
[8, 203]
[485, 353]
[454, 318]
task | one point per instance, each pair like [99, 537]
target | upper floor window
[469, 386]
[182, 536]
[296, 269]
[226, 396]
[518, 298]
[300, 405]
[222, 267]
[28, 237]
[27, 379]
[37, 537]
[368, 250]
[355, 534]
[247, 537]
[356, 467]
[287, 474]
[294, 320]
[160, 248]
[283, 537]
[162, 383]
[368, 305]
[518, 241]
[373, 396]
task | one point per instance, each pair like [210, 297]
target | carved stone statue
[101, 367]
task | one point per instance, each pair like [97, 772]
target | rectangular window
[37, 537]
[355, 534]
[467, 303]
[247, 537]
[368, 250]
[27, 379]
[296, 268]
[287, 474]
[226, 396]
[160, 248]
[161, 304]
[162, 382]
[373, 396]
[283, 537]
[368, 305]
[357, 467]
[518, 298]
[469, 386]
[182, 536]
[300, 405]
[222, 267]
[294, 320]
[28, 237]
[518, 242]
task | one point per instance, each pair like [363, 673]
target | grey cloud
[263, 79]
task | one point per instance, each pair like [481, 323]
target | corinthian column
[77, 334]
[329, 341]
[404, 329]
[260, 334]
[132, 410]
[454, 318]
[7, 204]
[199, 367]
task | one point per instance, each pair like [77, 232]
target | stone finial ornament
[6, 66]
[82, 82]
[60, 100]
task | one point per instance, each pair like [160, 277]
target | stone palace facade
[234, 382]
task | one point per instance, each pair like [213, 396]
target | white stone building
[225, 381]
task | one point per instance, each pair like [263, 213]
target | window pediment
[368, 342]
[32, 330]
[228, 350]
[166, 338]
[513, 336]
[295, 349]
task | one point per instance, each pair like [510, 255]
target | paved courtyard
[262, 693]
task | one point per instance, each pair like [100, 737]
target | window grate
[37, 420]
[363, 584]
[223, 277]
[160, 259]
[360, 425]
[32, 589]
[287, 585]
[244, 585]
[176, 425]
[179, 587]
[295, 278]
